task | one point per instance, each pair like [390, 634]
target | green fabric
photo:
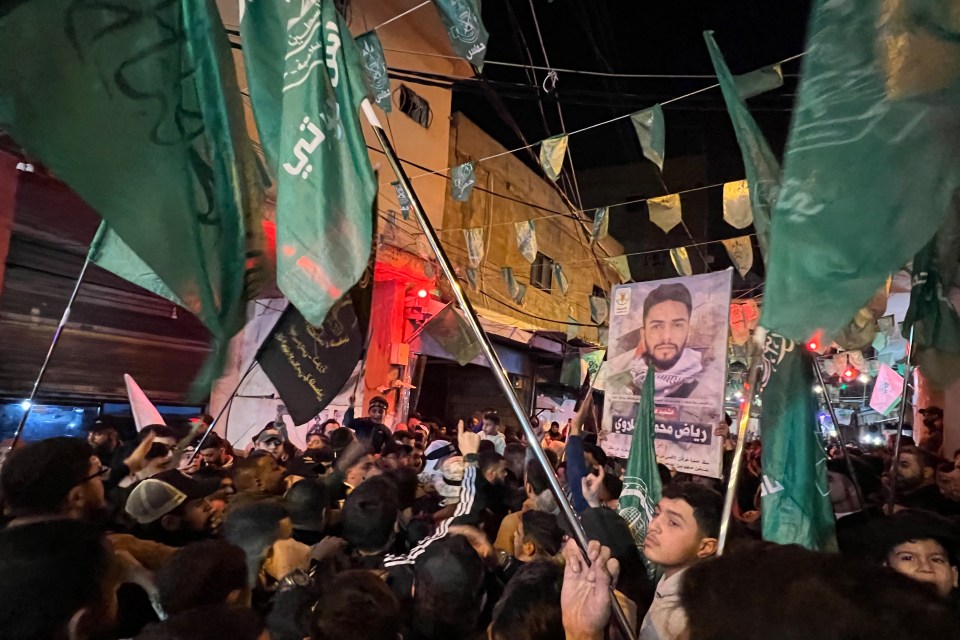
[109, 252]
[652, 133]
[136, 106]
[871, 162]
[759, 163]
[510, 282]
[934, 318]
[375, 69]
[560, 278]
[641, 481]
[601, 225]
[462, 179]
[468, 36]
[796, 505]
[306, 100]
[552, 153]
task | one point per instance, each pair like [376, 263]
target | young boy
[684, 531]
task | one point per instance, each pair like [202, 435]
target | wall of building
[558, 236]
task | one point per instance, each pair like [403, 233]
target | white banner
[678, 326]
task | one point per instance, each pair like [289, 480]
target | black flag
[310, 365]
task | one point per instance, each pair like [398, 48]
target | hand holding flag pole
[496, 367]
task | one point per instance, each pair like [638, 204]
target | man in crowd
[215, 453]
[270, 441]
[491, 432]
[683, 532]
[172, 508]
[256, 477]
[932, 440]
[917, 483]
[663, 342]
[105, 440]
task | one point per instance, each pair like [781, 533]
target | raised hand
[590, 485]
[586, 595]
[467, 441]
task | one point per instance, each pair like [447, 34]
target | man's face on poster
[665, 332]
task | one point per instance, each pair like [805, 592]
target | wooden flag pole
[903, 410]
[756, 359]
[53, 346]
[493, 359]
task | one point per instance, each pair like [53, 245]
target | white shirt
[666, 619]
[499, 442]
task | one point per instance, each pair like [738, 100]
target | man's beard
[908, 484]
[665, 365]
[104, 449]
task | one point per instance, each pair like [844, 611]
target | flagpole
[226, 404]
[742, 423]
[53, 345]
[843, 443]
[903, 410]
[493, 359]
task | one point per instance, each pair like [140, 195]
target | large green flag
[796, 505]
[641, 481]
[306, 86]
[871, 163]
[759, 163]
[933, 318]
[135, 105]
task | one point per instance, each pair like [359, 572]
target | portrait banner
[679, 327]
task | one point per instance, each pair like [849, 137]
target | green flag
[306, 86]
[641, 480]
[136, 106]
[933, 318]
[468, 36]
[796, 505]
[375, 66]
[759, 163]
[871, 163]
[652, 133]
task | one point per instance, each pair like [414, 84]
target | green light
[843, 387]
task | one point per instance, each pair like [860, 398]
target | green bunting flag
[375, 69]
[652, 132]
[622, 266]
[552, 152]
[306, 86]
[795, 498]
[601, 223]
[475, 249]
[402, 200]
[641, 481]
[761, 166]
[462, 181]
[450, 331]
[472, 278]
[759, 81]
[934, 319]
[510, 282]
[871, 163]
[599, 307]
[468, 37]
[521, 292]
[136, 107]
[572, 328]
[527, 240]
[561, 278]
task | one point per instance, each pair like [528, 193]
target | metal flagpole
[843, 442]
[496, 366]
[226, 404]
[903, 410]
[744, 420]
[53, 345]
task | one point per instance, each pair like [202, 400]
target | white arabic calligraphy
[303, 149]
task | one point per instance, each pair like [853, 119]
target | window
[598, 292]
[541, 273]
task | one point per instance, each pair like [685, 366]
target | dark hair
[598, 454]
[913, 524]
[379, 401]
[213, 441]
[405, 480]
[340, 438]
[202, 573]
[530, 606]
[707, 505]
[449, 581]
[487, 459]
[202, 623]
[536, 477]
[554, 425]
[49, 571]
[486, 446]
[613, 485]
[673, 292]
[492, 417]
[515, 453]
[370, 514]
[306, 502]
[790, 593]
[542, 529]
[357, 604]
[924, 457]
[36, 478]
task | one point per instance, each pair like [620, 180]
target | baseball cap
[267, 435]
[152, 499]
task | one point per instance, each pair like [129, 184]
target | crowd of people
[431, 531]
